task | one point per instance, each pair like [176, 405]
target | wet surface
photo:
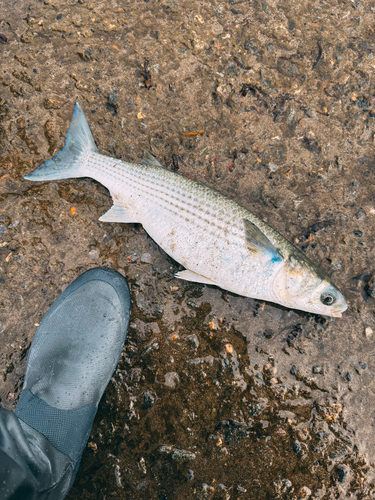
[272, 104]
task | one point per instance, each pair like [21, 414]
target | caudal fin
[71, 160]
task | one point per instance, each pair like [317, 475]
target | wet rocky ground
[270, 102]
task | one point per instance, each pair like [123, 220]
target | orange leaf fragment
[192, 134]
[229, 348]
[73, 210]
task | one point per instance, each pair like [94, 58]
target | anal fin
[192, 276]
[117, 213]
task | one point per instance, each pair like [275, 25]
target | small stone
[182, 455]
[112, 98]
[362, 365]
[118, 476]
[193, 341]
[52, 104]
[311, 112]
[317, 369]
[369, 332]
[148, 400]
[358, 233]
[207, 490]
[197, 361]
[133, 256]
[343, 473]
[296, 447]
[304, 492]
[142, 465]
[293, 370]
[348, 377]
[189, 475]
[171, 379]
[94, 254]
[272, 167]
[360, 213]
[165, 449]
[146, 258]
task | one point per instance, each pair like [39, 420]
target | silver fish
[216, 240]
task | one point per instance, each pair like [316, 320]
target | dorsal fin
[258, 242]
[148, 159]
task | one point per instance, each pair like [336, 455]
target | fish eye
[327, 298]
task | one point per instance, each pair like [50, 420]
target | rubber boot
[71, 360]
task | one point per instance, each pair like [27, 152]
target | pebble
[171, 379]
[142, 465]
[118, 476]
[112, 98]
[197, 361]
[146, 258]
[311, 112]
[358, 233]
[360, 213]
[94, 254]
[296, 447]
[165, 449]
[133, 256]
[193, 341]
[148, 400]
[293, 370]
[182, 455]
[189, 475]
[369, 332]
[317, 369]
[272, 167]
[282, 486]
[348, 377]
[343, 473]
[304, 492]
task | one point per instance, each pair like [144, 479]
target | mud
[269, 102]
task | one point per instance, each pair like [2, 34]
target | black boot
[71, 360]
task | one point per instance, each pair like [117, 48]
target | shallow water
[216, 396]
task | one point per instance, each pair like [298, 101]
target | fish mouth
[336, 314]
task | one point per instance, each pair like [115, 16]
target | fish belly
[195, 225]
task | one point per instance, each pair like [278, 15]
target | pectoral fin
[148, 159]
[192, 276]
[258, 242]
[117, 213]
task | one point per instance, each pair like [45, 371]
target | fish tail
[72, 159]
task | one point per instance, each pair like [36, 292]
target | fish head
[301, 285]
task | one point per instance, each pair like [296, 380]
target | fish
[217, 241]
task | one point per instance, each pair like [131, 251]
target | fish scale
[215, 239]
